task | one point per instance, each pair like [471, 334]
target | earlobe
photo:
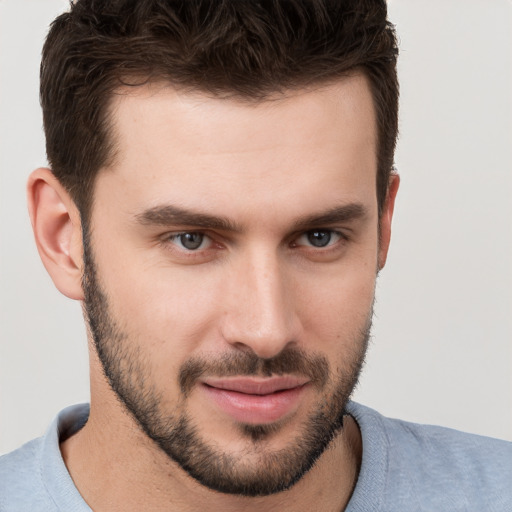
[386, 218]
[57, 231]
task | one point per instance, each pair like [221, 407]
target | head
[226, 172]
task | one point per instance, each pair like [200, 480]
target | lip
[256, 400]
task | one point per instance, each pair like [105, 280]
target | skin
[262, 288]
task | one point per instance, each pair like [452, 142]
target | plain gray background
[442, 348]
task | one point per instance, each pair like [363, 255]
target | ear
[386, 218]
[57, 230]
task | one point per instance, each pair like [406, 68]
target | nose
[260, 307]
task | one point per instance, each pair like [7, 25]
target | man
[220, 199]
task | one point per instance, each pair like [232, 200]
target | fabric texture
[405, 467]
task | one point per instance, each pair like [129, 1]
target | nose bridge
[261, 314]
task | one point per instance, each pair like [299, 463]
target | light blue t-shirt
[405, 468]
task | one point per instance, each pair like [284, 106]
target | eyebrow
[339, 214]
[170, 215]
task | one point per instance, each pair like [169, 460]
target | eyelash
[339, 236]
[177, 236]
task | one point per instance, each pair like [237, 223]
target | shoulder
[436, 465]
[461, 454]
[21, 484]
[20, 462]
[34, 477]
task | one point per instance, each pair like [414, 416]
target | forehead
[181, 147]
[318, 110]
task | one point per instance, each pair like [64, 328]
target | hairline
[135, 82]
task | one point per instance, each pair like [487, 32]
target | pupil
[191, 240]
[319, 238]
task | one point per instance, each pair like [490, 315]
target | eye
[319, 238]
[190, 241]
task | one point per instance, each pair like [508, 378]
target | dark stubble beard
[129, 373]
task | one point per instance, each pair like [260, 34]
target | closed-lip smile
[255, 400]
[256, 386]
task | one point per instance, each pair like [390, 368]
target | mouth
[256, 400]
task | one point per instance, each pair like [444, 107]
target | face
[230, 270]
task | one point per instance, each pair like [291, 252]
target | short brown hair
[248, 49]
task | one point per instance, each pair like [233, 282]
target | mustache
[246, 363]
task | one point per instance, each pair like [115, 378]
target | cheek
[167, 312]
[335, 309]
